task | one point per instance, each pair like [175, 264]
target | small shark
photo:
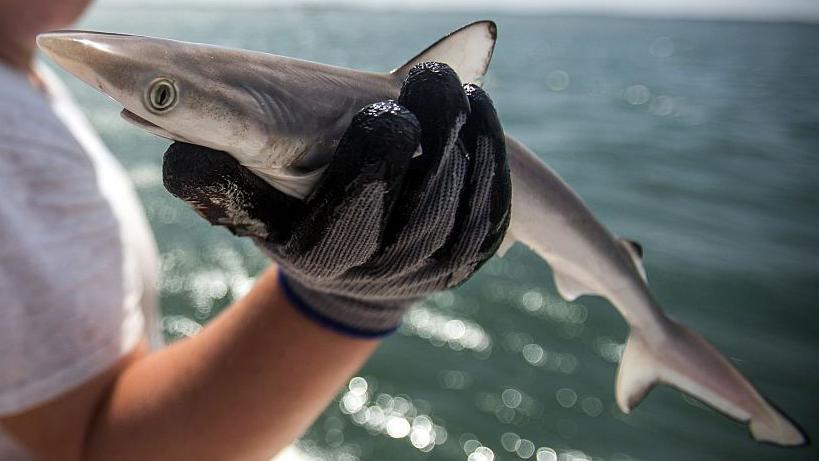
[283, 117]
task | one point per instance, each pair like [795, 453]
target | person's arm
[382, 229]
[244, 388]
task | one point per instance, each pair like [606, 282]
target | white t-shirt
[78, 264]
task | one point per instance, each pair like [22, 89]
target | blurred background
[692, 127]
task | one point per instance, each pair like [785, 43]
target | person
[79, 376]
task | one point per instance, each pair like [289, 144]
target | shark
[283, 117]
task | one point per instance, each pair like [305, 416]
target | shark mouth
[150, 127]
[290, 181]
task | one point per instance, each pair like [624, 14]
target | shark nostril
[161, 95]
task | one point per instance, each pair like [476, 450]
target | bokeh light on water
[698, 139]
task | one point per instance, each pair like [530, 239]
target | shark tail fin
[467, 50]
[685, 360]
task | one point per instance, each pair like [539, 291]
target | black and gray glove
[383, 228]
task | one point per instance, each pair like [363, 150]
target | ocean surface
[698, 139]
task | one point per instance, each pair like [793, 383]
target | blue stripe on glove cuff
[327, 322]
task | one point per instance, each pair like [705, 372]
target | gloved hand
[383, 228]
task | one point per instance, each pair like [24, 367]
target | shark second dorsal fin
[468, 50]
[635, 251]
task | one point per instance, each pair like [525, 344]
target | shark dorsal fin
[468, 50]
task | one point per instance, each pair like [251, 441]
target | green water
[698, 139]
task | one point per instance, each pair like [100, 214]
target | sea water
[698, 139]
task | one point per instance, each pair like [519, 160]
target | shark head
[281, 117]
[185, 92]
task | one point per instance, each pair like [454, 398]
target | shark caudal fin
[685, 360]
[467, 50]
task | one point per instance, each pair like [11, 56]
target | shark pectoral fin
[467, 50]
[294, 183]
[635, 251]
[569, 287]
[508, 241]
[636, 375]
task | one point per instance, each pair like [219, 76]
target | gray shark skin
[282, 118]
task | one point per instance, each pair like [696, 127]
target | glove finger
[433, 93]
[347, 212]
[483, 136]
[226, 193]
[484, 212]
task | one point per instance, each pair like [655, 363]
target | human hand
[382, 229]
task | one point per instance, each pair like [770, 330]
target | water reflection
[637, 95]
[179, 326]
[592, 406]
[551, 307]
[566, 397]
[511, 406]
[557, 80]
[455, 379]
[398, 417]
[441, 329]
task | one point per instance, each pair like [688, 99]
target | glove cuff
[350, 316]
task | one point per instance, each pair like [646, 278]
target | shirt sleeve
[65, 312]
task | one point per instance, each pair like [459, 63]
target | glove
[383, 227]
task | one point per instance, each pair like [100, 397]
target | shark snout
[90, 56]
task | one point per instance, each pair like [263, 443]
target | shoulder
[31, 134]
[61, 258]
[49, 199]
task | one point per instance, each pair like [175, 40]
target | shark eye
[161, 95]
